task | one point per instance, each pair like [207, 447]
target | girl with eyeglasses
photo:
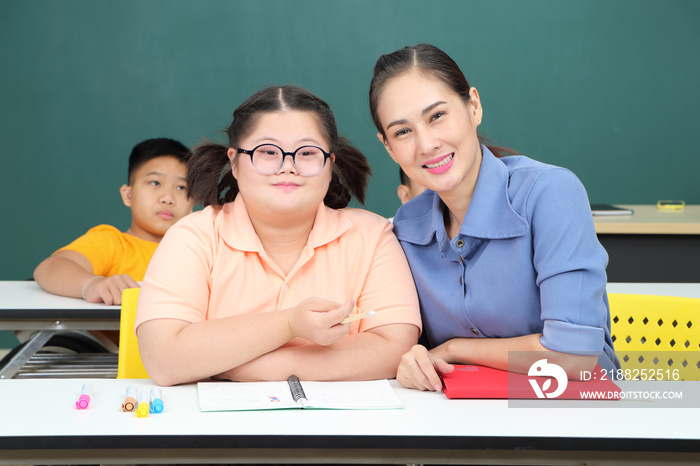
[256, 285]
[502, 248]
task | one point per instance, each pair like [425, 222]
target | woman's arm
[515, 354]
[420, 368]
[374, 354]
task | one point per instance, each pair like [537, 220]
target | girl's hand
[318, 320]
[107, 290]
[419, 369]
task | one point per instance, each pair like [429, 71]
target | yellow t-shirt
[112, 252]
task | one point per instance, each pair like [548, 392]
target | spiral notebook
[294, 394]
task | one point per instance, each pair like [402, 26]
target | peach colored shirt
[211, 265]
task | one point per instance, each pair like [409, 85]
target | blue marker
[156, 400]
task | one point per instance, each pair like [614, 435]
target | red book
[470, 381]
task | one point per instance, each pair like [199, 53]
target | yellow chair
[130, 365]
[657, 332]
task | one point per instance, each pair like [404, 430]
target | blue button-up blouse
[526, 260]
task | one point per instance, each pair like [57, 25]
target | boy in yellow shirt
[99, 265]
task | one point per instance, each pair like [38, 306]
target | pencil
[354, 317]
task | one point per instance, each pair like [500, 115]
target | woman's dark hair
[209, 177]
[427, 59]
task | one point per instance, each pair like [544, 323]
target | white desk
[25, 306]
[41, 425]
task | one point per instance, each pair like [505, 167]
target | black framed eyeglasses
[267, 159]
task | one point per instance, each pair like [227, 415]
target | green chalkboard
[606, 88]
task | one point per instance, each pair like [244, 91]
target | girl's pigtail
[350, 176]
[209, 177]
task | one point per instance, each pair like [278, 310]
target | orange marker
[130, 400]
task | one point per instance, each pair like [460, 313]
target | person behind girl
[502, 248]
[103, 262]
[99, 265]
[255, 286]
[407, 189]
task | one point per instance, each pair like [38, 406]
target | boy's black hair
[158, 147]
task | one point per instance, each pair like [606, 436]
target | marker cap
[156, 400]
[83, 402]
[142, 409]
[130, 400]
[129, 404]
[157, 405]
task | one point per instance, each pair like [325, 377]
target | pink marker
[84, 400]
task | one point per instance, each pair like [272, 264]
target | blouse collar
[490, 214]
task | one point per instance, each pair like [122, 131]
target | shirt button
[460, 243]
[460, 280]
[285, 288]
[475, 331]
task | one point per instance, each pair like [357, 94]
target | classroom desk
[48, 429]
[41, 426]
[25, 306]
[683, 290]
[652, 245]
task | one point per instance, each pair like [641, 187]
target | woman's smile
[441, 164]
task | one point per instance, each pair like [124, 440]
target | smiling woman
[256, 285]
[517, 234]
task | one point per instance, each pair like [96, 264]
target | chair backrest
[130, 365]
[650, 332]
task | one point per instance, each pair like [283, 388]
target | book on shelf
[609, 209]
[294, 394]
